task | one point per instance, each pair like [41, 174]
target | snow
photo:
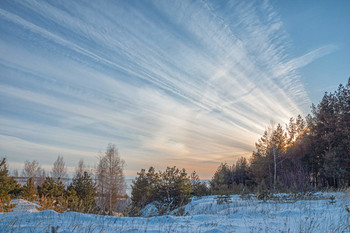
[149, 211]
[283, 214]
[24, 206]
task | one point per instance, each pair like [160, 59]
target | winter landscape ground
[284, 213]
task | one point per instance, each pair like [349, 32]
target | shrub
[171, 189]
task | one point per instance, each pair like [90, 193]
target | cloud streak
[170, 82]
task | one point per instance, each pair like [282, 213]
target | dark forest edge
[306, 155]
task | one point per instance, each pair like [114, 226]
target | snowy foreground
[203, 215]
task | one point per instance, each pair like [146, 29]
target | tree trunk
[275, 167]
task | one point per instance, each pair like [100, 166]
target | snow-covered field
[202, 215]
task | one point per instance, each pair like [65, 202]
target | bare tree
[15, 173]
[111, 183]
[59, 169]
[41, 177]
[31, 169]
[81, 167]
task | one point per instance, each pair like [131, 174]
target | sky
[171, 83]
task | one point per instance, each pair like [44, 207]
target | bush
[9, 188]
[171, 189]
[51, 194]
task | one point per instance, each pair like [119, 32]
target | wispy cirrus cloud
[305, 59]
[170, 82]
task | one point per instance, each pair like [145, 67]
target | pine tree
[28, 190]
[315, 150]
[71, 200]
[241, 171]
[154, 180]
[175, 188]
[141, 191]
[9, 188]
[329, 155]
[52, 193]
[85, 190]
[169, 189]
[198, 188]
[222, 180]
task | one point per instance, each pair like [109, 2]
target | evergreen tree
[175, 187]
[241, 171]
[170, 189]
[313, 151]
[71, 200]
[222, 180]
[198, 188]
[145, 189]
[331, 126]
[85, 190]
[51, 193]
[9, 188]
[155, 181]
[51, 188]
[28, 190]
[141, 193]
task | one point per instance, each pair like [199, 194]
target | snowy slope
[24, 206]
[203, 215]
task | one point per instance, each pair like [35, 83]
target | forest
[306, 155]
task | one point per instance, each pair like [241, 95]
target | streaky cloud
[180, 82]
[306, 59]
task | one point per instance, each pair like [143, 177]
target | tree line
[307, 154]
[90, 191]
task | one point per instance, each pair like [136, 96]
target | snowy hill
[283, 214]
[24, 206]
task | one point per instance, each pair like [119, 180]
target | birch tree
[59, 169]
[33, 170]
[110, 178]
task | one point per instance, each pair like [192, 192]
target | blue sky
[185, 83]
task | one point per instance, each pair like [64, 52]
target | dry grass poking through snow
[284, 213]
